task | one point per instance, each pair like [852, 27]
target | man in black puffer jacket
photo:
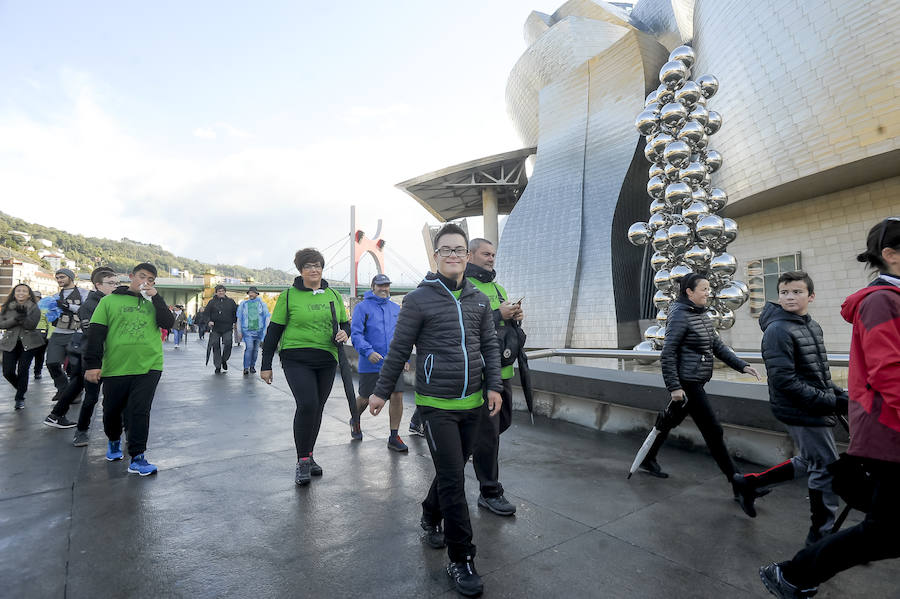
[803, 397]
[451, 324]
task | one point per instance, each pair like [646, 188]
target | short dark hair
[478, 242]
[450, 229]
[690, 281]
[220, 286]
[885, 234]
[144, 266]
[797, 275]
[100, 273]
[308, 256]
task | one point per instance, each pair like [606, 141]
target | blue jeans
[177, 333]
[251, 347]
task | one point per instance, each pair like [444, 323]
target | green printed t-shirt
[490, 290]
[133, 343]
[309, 323]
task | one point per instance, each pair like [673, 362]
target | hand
[495, 400]
[93, 375]
[266, 375]
[841, 405]
[20, 308]
[678, 395]
[751, 370]
[150, 291]
[508, 310]
[63, 305]
[341, 336]
[406, 367]
[237, 338]
[375, 357]
[375, 404]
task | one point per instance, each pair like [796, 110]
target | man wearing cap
[221, 312]
[371, 331]
[253, 318]
[68, 301]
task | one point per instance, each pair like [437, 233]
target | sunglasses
[884, 228]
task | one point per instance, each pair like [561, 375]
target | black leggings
[702, 413]
[15, 368]
[311, 383]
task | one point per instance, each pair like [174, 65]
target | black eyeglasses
[444, 251]
[884, 228]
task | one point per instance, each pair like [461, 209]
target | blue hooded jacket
[372, 328]
[244, 319]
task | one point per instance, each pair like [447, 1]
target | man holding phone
[480, 272]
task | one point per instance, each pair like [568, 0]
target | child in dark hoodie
[803, 397]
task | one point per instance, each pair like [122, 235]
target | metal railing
[630, 354]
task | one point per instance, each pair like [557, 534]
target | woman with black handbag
[874, 385]
[19, 316]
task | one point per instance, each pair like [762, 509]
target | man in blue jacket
[371, 329]
[252, 319]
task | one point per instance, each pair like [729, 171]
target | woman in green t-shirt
[302, 321]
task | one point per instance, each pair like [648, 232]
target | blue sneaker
[114, 451]
[141, 466]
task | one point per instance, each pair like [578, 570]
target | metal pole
[353, 251]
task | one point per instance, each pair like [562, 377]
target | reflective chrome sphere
[697, 257]
[655, 171]
[713, 160]
[676, 193]
[723, 264]
[742, 286]
[693, 174]
[684, 54]
[658, 206]
[713, 315]
[671, 171]
[652, 98]
[677, 153]
[702, 143]
[713, 124]
[699, 195]
[649, 153]
[657, 220]
[678, 272]
[660, 239]
[717, 199]
[662, 281]
[673, 115]
[662, 317]
[644, 346]
[691, 132]
[699, 113]
[647, 122]
[731, 297]
[731, 229]
[710, 228]
[695, 211]
[656, 187]
[727, 320]
[659, 142]
[688, 94]
[661, 300]
[680, 236]
[707, 180]
[658, 260]
[639, 233]
[664, 95]
[672, 74]
[650, 332]
[708, 85]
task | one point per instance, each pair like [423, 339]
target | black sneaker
[301, 476]
[81, 439]
[417, 429]
[467, 580]
[218, 371]
[246, 371]
[314, 468]
[252, 370]
[744, 494]
[20, 404]
[38, 376]
[773, 579]
[56, 396]
[434, 535]
[652, 468]
[58, 421]
[499, 505]
[224, 365]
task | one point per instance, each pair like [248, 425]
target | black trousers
[91, 396]
[875, 538]
[221, 346]
[487, 447]
[131, 396]
[699, 409]
[72, 388]
[310, 383]
[16, 364]
[451, 435]
[39, 356]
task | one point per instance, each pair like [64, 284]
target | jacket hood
[683, 303]
[482, 274]
[298, 284]
[440, 281]
[850, 307]
[370, 296]
[124, 290]
[772, 312]
[96, 295]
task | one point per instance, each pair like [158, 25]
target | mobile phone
[520, 300]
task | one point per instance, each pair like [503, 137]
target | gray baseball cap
[381, 280]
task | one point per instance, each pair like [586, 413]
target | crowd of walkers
[460, 320]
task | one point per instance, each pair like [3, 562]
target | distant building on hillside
[14, 272]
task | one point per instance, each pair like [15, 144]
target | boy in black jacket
[803, 397]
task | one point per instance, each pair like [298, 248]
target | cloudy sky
[238, 132]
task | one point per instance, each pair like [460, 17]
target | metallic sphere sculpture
[684, 228]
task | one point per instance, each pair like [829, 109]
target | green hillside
[121, 255]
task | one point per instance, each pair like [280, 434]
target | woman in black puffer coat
[687, 365]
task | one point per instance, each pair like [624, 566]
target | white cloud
[227, 129]
[205, 133]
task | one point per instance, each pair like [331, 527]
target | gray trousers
[221, 346]
[817, 450]
[56, 355]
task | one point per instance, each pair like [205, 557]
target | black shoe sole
[487, 506]
[58, 425]
[659, 474]
[301, 482]
[441, 545]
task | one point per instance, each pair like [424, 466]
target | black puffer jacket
[800, 387]
[691, 342]
[450, 337]
[222, 311]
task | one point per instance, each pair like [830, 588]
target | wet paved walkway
[223, 517]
